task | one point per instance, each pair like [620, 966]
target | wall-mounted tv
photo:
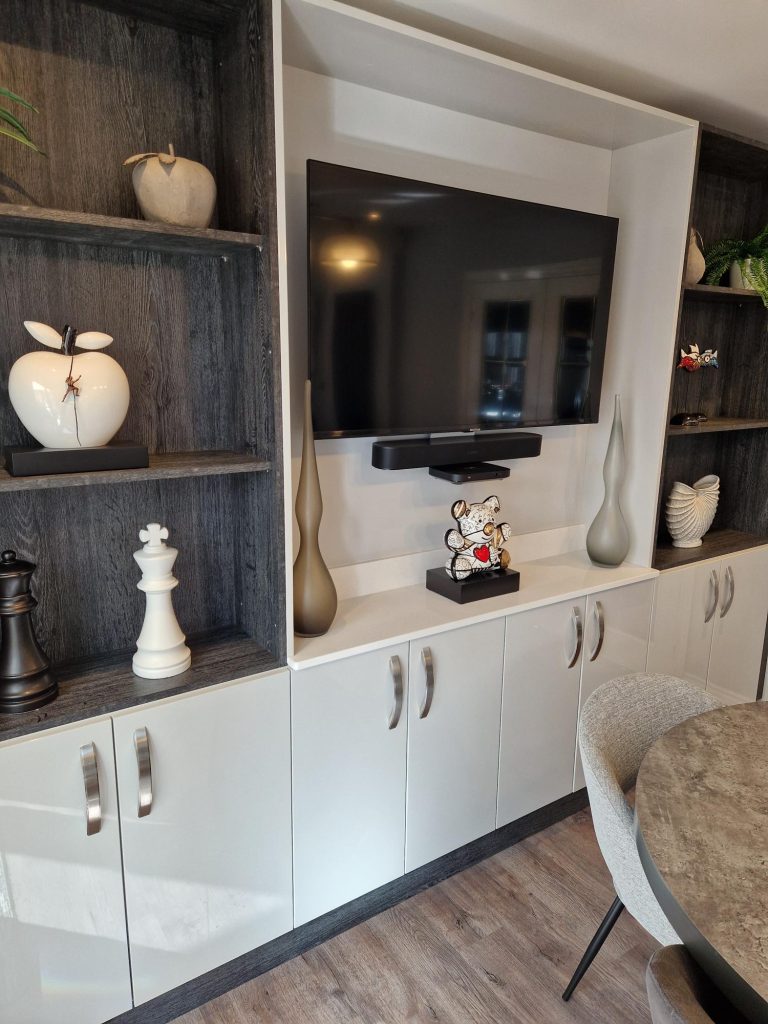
[436, 309]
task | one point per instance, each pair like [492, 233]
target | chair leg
[593, 948]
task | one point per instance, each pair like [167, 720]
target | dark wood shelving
[716, 293]
[717, 424]
[716, 544]
[161, 467]
[105, 684]
[96, 229]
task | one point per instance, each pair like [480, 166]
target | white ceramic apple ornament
[69, 400]
[173, 190]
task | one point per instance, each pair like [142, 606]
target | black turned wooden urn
[26, 681]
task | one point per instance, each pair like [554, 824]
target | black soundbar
[417, 452]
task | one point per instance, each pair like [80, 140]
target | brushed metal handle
[714, 586]
[600, 620]
[578, 629]
[90, 766]
[429, 671]
[144, 764]
[730, 590]
[396, 672]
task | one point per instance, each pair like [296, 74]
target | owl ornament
[695, 360]
[477, 543]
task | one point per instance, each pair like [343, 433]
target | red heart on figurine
[483, 553]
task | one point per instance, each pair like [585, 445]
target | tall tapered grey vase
[608, 536]
[314, 595]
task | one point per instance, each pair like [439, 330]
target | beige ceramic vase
[691, 510]
[172, 190]
[314, 595]
[695, 264]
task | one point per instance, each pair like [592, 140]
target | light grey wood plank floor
[495, 944]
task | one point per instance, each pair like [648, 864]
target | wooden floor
[495, 944]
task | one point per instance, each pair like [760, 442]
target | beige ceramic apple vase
[173, 190]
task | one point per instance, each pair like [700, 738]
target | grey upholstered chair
[680, 993]
[618, 724]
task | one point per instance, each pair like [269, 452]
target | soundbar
[455, 451]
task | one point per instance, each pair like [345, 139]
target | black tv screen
[435, 309]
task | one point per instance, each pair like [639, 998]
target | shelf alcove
[193, 313]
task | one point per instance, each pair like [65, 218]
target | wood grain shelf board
[716, 544]
[104, 685]
[715, 293]
[97, 229]
[717, 424]
[173, 466]
[206, 17]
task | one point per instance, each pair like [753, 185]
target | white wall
[372, 514]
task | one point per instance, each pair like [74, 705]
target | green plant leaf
[755, 274]
[6, 115]
[17, 99]
[13, 134]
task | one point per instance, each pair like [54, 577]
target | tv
[435, 309]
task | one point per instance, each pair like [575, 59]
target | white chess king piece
[160, 649]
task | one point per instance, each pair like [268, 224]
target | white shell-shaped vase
[690, 510]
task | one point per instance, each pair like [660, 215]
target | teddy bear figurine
[476, 545]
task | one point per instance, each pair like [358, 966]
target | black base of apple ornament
[21, 461]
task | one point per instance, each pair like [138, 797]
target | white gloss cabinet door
[615, 641]
[684, 611]
[540, 707]
[62, 917]
[740, 619]
[208, 868]
[454, 713]
[349, 725]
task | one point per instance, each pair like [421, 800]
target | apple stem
[171, 150]
[68, 337]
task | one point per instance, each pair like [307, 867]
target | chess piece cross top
[153, 536]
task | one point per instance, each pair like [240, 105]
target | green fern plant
[751, 256]
[11, 126]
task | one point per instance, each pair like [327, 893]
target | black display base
[49, 461]
[473, 588]
[463, 472]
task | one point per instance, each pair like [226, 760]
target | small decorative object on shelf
[173, 190]
[26, 681]
[314, 593]
[161, 650]
[687, 419]
[690, 510]
[479, 565]
[695, 264]
[693, 359]
[72, 403]
[608, 536]
[745, 261]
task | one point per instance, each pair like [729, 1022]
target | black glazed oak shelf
[714, 293]
[97, 229]
[104, 685]
[716, 544]
[718, 424]
[161, 467]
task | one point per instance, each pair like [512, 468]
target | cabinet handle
[429, 670]
[714, 587]
[578, 629]
[90, 767]
[730, 590]
[396, 672]
[600, 620]
[144, 764]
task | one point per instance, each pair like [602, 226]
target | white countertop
[392, 616]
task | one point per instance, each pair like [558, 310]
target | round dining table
[701, 825]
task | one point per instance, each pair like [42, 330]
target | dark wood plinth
[473, 588]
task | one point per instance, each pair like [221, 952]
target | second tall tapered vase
[608, 536]
[314, 595]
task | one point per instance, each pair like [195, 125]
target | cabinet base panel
[200, 990]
